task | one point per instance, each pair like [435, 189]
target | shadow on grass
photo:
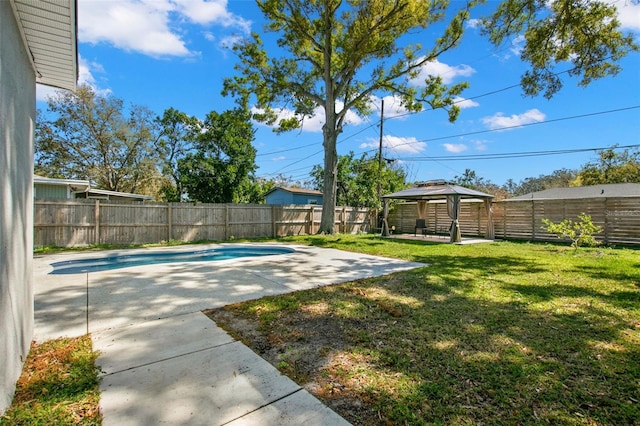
[630, 275]
[467, 340]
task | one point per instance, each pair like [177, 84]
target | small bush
[580, 233]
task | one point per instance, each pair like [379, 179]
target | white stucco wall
[17, 117]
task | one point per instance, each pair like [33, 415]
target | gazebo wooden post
[441, 189]
[490, 232]
[453, 208]
[385, 225]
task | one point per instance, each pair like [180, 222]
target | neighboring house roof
[95, 193]
[296, 191]
[76, 185]
[83, 187]
[436, 189]
[593, 191]
[48, 30]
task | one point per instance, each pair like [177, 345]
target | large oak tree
[222, 161]
[85, 135]
[336, 54]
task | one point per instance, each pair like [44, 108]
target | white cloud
[465, 103]
[474, 23]
[517, 45]
[210, 12]
[43, 93]
[440, 69]
[147, 26]
[480, 145]
[86, 70]
[392, 106]
[277, 159]
[454, 147]
[399, 145]
[629, 14]
[229, 41]
[500, 121]
[314, 123]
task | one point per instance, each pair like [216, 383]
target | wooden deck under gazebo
[441, 190]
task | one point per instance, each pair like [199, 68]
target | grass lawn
[58, 386]
[504, 333]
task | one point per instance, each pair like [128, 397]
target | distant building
[73, 188]
[58, 188]
[611, 190]
[294, 196]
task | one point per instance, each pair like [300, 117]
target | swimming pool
[79, 266]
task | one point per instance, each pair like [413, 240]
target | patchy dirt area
[308, 348]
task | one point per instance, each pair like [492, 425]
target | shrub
[580, 233]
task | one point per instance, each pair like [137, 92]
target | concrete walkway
[163, 361]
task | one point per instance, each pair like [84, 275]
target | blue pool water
[124, 261]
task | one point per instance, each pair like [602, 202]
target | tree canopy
[611, 167]
[176, 139]
[358, 180]
[223, 158]
[90, 137]
[174, 157]
[337, 54]
[329, 45]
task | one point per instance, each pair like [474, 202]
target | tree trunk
[330, 173]
[330, 132]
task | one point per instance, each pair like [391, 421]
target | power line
[555, 120]
[489, 156]
[514, 154]
[493, 92]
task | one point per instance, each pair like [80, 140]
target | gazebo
[439, 190]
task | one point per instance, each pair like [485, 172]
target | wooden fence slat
[618, 217]
[84, 222]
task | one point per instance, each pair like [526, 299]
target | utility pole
[380, 152]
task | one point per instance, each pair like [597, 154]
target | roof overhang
[49, 32]
[437, 190]
[106, 193]
[295, 191]
[76, 184]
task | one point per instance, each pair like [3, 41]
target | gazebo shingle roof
[439, 189]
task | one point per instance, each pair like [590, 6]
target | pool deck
[162, 360]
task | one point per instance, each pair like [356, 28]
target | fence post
[344, 219]
[310, 227]
[606, 222]
[96, 218]
[533, 219]
[504, 219]
[226, 222]
[274, 228]
[169, 222]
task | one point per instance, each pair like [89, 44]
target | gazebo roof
[436, 189]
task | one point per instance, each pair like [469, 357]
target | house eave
[49, 33]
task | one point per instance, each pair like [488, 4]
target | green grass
[58, 386]
[504, 333]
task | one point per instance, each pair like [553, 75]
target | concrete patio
[162, 360]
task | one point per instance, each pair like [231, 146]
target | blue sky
[176, 53]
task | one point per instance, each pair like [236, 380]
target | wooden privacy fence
[619, 218]
[67, 223]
